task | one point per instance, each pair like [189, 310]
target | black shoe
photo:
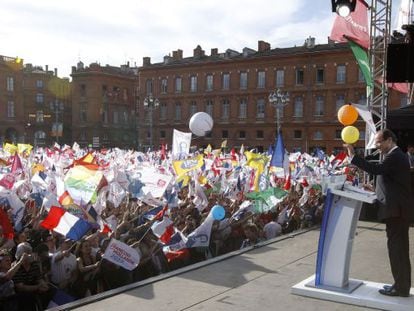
[393, 292]
[388, 287]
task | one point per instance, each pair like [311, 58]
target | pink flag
[17, 166]
[353, 27]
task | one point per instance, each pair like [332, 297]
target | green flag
[363, 62]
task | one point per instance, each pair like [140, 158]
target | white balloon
[201, 123]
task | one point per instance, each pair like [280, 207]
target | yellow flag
[208, 149]
[24, 148]
[182, 167]
[10, 148]
[258, 163]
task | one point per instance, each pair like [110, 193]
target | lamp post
[57, 107]
[278, 100]
[151, 103]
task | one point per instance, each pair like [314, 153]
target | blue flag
[278, 152]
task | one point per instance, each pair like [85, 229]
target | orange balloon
[347, 114]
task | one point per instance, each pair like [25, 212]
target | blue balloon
[218, 212]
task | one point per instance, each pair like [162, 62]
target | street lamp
[278, 100]
[151, 103]
[57, 108]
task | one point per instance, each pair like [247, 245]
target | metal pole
[150, 120]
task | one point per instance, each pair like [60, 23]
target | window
[162, 134]
[260, 109]
[403, 100]
[163, 111]
[362, 100]
[83, 113]
[319, 106]
[82, 90]
[297, 134]
[340, 74]
[338, 134]
[340, 101]
[193, 84]
[10, 109]
[39, 98]
[243, 108]
[242, 134]
[193, 108]
[361, 135]
[177, 114]
[209, 82]
[243, 80]
[298, 107]
[225, 109]
[280, 77]
[261, 79]
[209, 107]
[148, 86]
[361, 77]
[318, 135]
[178, 85]
[259, 134]
[39, 84]
[300, 76]
[40, 135]
[116, 117]
[82, 136]
[320, 75]
[164, 84]
[10, 84]
[226, 81]
[125, 94]
[224, 134]
[124, 115]
[39, 116]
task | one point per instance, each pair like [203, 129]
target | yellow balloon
[350, 134]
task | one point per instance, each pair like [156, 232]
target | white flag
[366, 115]
[181, 144]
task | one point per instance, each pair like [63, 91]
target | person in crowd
[64, 267]
[252, 235]
[8, 299]
[89, 268]
[396, 205]
[33, 290]
[272, 229]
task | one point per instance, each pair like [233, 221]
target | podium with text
[341, 213]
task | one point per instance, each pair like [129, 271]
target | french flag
[63, 222]
[163, 229]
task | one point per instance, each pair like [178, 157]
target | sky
[60, 33]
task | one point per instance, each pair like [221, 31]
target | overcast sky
[59, 33]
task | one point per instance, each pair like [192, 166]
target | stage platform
[259, 278]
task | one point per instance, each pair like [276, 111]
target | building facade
[104, 106]
[35, 104]
[234, 87]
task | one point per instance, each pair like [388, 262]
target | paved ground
[258, 279]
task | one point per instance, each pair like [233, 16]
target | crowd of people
[41, 268]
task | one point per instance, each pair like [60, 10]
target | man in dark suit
[395, 203]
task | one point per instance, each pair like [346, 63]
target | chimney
[263, 46]
[73, 69]
[55, 72]
[167, 59]
[214, 52]
[198, 52]
[146, 61]
[180, 54]
[46, 68]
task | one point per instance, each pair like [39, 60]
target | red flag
[354, 26]
[8, 231]
[400, 87]
[340, 157]
[288, 184]
[17, 166]
[304, 183]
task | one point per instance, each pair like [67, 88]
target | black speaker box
[400, 62]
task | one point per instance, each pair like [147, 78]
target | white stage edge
[366, 295]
